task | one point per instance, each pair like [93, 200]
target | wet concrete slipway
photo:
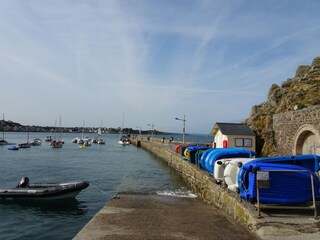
[161, 217]
[165, 217]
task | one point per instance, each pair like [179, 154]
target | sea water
[109, 168]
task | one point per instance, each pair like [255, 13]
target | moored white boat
[3, 142]
[36, 142]
[124, 142]
[99, 139]
[87, 142]
[75, 140]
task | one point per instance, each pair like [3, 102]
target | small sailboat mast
[57, 142]
[123, 140]
[3, 128]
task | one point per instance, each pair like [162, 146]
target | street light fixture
[139, 131]
[184, 126]
[152, 125]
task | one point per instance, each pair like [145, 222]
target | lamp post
[184, 126]
[152, 125]
[139, 131]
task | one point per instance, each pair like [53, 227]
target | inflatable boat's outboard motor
[24, 182]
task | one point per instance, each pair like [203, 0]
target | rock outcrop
[295, 93]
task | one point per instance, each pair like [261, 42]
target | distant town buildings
[9, 126]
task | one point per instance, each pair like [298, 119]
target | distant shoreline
[9, 126]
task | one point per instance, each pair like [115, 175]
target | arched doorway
[309, 144]
[305, 140]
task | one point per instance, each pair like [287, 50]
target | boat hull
[13, 148]
[44, 191]
[190, 152]
[24, 145]
[124, 143]
[231, 171]
[56, 144]
[208, 160]
[285, 184]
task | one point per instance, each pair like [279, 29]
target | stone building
[298, 132]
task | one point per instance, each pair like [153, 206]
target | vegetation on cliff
[296, 93]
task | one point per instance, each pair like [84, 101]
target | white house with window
[233, 135]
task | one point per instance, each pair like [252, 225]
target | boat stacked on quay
[281, 180]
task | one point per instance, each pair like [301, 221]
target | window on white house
[243, 142]
[239, 142]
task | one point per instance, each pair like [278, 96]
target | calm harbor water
[110, 168]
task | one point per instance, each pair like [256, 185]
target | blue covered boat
[208, 159]
[282, 184]
[310, 161]
[198, 156]
[190, 152]
[205, 154]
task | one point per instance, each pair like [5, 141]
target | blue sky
[91, 60]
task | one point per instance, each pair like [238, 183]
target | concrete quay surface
[138, 217]
[142, 217]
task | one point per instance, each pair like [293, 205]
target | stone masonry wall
[286, 126]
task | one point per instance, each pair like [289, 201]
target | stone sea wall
[287, 125]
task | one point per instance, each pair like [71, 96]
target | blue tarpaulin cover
[208, 158]
[309, 161]
[283, 187]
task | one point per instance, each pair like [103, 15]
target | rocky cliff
[299, 92]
